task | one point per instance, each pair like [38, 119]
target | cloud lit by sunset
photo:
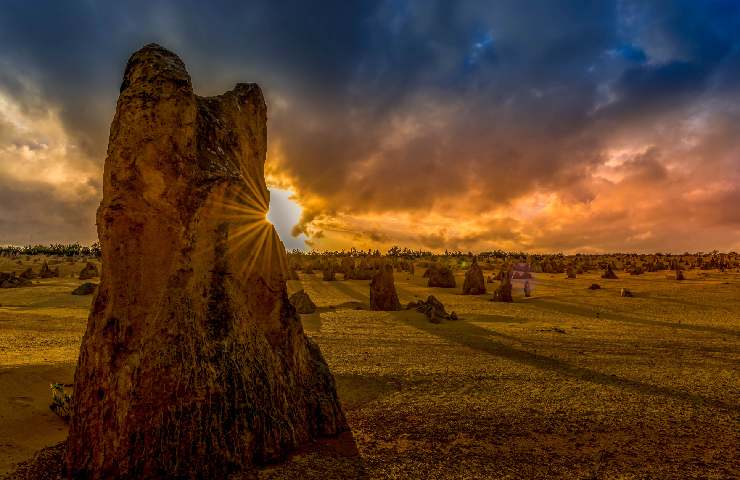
[597, 126]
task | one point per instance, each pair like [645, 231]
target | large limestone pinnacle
[194, 364]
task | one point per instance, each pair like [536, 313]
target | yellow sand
[634, 387]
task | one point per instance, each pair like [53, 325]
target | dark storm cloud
[410, 105]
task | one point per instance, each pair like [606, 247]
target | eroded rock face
[474, 283]
[194, 363]
[383, 295]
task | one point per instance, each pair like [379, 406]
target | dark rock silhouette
[609, 273]
[328, 273]
[47, 272]
[194, 363]
[474, 283]
[433, 309]
[89, 271]
[440, 276]
[10, 280]
[86, 288]
[527, 289]
[383, 294]
[503, 291]
[302, 302]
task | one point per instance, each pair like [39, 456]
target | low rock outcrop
[433, 309]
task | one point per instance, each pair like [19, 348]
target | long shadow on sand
[478, 338]
[351, 292]
[574, 309]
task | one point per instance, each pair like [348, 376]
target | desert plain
[568, 383]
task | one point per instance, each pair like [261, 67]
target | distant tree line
[57, 249]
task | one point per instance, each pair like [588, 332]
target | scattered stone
[194, 364]
[27, 274]
[594, 286]
[433, 309]
[679, 272]
[383, 294]
[87, 288]
[302, 302]
[89, 271]
[503, 291]
[609, 273]
[47, 272]
[328, 273]
[626, 293]
[474, 283]
[10, 280]
[570, 272]
[441, 277]
[347, 266]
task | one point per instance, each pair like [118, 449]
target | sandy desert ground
[570, 383]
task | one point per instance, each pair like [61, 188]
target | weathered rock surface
[474, 283]
[194, 363]
[89, 271]
[302, 303]
[383, 295]
[440, 276]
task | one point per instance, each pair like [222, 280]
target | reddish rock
[194, 363]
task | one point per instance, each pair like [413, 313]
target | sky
[541, 126]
